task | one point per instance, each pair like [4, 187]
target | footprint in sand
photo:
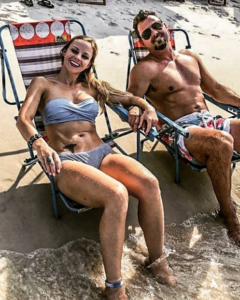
[114, 53]
[131, 13]
[216, 57]
[112, 24]
[218, 36]
[179, 17]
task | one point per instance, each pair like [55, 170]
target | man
[173, 82]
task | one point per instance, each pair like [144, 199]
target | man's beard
[160, 44]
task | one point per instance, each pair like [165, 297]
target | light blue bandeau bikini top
[62, 110]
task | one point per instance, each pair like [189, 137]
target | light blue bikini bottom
[92, 157]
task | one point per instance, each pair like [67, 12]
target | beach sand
[41, 258]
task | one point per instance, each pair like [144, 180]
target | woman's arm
[145, 121]
[27, 129]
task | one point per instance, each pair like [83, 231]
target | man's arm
[138, 86]
[139, 80]
[213, 88]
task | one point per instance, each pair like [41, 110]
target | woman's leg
[142, 184]
[91, 187]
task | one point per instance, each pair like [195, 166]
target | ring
[49, 159]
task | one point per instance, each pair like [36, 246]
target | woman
[87, 170]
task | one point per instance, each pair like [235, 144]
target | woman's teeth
[74, 63]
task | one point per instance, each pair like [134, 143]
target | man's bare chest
[175, 76]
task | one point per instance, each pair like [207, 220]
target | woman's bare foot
[161, 270]
[116, 293]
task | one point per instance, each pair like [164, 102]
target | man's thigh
[235, 132]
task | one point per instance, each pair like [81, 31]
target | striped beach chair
[168, 133]
[37, 47]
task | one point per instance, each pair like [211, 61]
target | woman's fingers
[134, 117]
[58, 164]
[50, 162]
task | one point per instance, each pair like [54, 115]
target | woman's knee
[148, 185]
[118, 199]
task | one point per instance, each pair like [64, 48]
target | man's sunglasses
[147, 33]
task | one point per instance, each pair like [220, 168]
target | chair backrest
[37, 46]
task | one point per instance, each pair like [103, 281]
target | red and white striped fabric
[38, 45]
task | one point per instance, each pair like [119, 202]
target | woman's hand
[49, 159]
[148, 119]
[134, 115]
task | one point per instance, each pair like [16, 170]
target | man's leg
[235, 132]
[214, 148]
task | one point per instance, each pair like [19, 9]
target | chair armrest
[174, 125]
[234, 110]
[123, 114]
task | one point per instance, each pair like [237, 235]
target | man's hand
[134, 115]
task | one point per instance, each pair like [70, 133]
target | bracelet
[130, 107]
[114, 285]
[33, 139]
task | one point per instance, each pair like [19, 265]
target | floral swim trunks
[197, 119]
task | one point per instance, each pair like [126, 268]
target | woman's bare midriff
[74, 136]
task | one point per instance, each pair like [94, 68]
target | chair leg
[176, 161]
[176, 170]
[54, 198]
[138, 145]
[233, 168]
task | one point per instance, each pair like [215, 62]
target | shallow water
[204, 260]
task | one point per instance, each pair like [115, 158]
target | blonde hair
[88, 76]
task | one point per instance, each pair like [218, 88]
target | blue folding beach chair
[137, 52]
[37, 47]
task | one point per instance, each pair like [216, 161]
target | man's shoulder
[147, 62]
[188, 52]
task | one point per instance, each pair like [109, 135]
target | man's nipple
[171, 88]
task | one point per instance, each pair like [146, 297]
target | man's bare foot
[116, 293]
[233, 225]
[234, 235]
[161, 270]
